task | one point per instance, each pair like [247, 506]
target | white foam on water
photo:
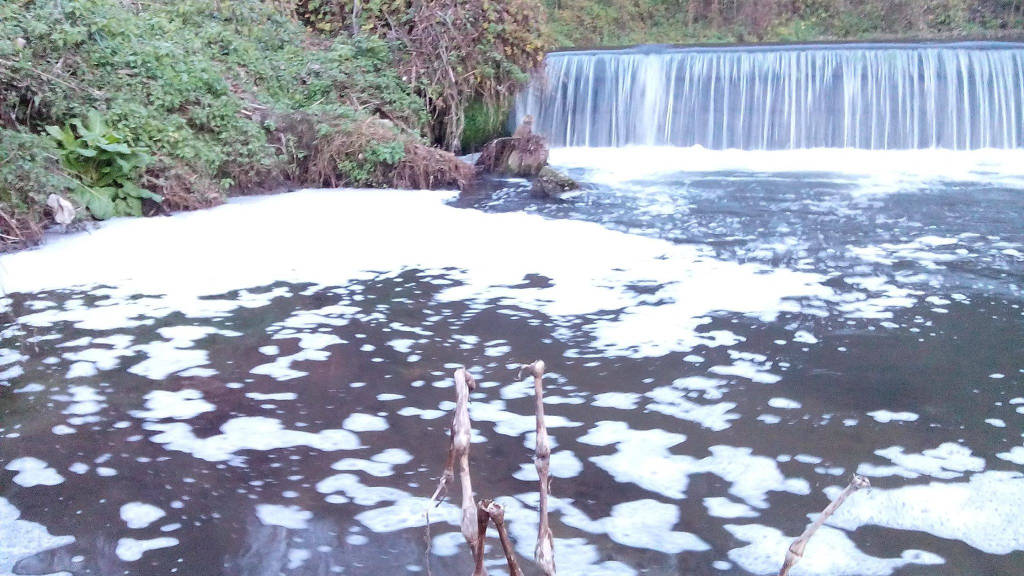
[272, 395]
[354, 490]
[578, 556]
[648, 524]
[139, 515]
[672, 401]
[512, 424]
[949, 460]
[131, 550]
[380, 469]
[359, 422]
[409, 512]
[291, 517]
[642, 457]
[178, 405]
[246, 433]
[829, 553]
[1015, 455]
[21, 538]
[423, 414]
[561, 464]
[804, 337]
[886, 416]
[983, 513]
[393, 456]
[589, 274]
[298, 556]
[872, 171]
[166, 359]
[784, 403]
[83, 400]
[753, 371]
[725, 508]
[33, 472]
[620, 400]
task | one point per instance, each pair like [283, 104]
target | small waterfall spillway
[871, 96]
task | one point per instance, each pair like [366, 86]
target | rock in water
[522, 155]
[553, 184]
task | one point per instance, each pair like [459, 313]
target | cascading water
[873, 96]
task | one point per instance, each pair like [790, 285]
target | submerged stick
[482, 518]
[458, 452]
[796, 549]
[497, 515]
[544, 553]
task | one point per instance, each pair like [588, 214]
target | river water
[263, 388]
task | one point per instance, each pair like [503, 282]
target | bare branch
[796, 549]
[478, 548]
[497, 515]
[458, 452]
[544, 553]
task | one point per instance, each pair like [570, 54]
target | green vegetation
[452, 52]
[107, 167]
[587, 23]
[483, 123]
[175, 104]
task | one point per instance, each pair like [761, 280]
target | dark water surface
[774, 333]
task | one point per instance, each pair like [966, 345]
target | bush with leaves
[107, 167]
[203, 87]
[453, 52]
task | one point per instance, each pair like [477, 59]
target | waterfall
[874, 96]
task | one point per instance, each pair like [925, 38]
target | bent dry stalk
[458, 452]
[497, 516]
[796, 549]
[544, 553]
[476, 516]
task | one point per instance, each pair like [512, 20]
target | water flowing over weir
[873, 96]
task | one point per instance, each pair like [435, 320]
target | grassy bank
[131, 108]
[587, 23]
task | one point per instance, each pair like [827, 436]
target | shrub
[106, 166]
[29, 172]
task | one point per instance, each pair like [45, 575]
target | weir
[871, 96]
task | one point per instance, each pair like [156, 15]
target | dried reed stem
[482, 518]
[796, 549]
[497, 515]
[544, 553]
[458, 451]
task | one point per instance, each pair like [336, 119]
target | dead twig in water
[458, 452]
[796, 549]
[544, 553]
[497, 516]
[482, 518]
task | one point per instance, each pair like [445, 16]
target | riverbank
[119, 109]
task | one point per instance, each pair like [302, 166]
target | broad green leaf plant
[106, 165]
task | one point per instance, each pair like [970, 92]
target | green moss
[483, 124]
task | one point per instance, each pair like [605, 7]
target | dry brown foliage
[452, 51]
